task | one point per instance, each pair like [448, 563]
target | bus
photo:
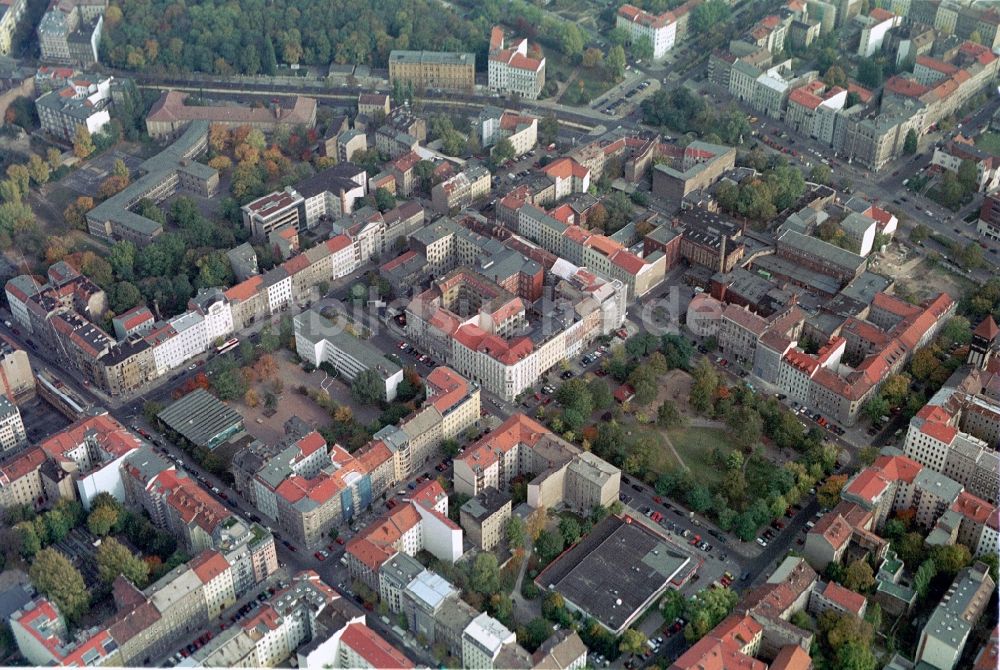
[228, 345]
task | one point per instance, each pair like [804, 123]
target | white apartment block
[318, 340]
[875, 27]
[81, 103]
[482, 641]
[520, 129]
[511, 70]
[661, 31]
[10, 15]
[181, 338]
[12, 433]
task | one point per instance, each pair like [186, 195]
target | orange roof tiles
[987, 328]
[245, 289]
[374, 649]
[446, 388]
[722, 648]
[973, 508]
[791, 657]
[905, 87]
[208, 565]
[27, 461]
[112, 437]
[845, 598]
[880, 14]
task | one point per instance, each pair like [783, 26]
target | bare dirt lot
[270, 429]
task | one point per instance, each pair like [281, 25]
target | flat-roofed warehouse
[202, 419]
[615, 573]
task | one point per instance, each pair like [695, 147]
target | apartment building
[946, 632]
[319, 341]
[579, 480]
[812, 109]
[170, 115]
[511, 70]
[600, 254]
[483, 641]
[17, 381]
[496, 124]
[70, 31]
[484, 518]
[11, 12]
[80, 103]
[332, 192]
[884, 343]
[960, 148]
[874, 28]
[352, 645]
[419, 523]
[461, 190]
[684, 170]
[273, 633]
[12, 433]
[433, 69]
[275, 211]
[659, 30]
[174, 169]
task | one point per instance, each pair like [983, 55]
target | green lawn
[989, 142]
[695, 446]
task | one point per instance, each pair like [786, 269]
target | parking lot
[87, 180]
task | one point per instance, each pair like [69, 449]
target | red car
[319, 556]
[340, 540]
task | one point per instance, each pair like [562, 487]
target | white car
[761, 541]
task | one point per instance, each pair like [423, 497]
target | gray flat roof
[436, 57]
[616, 571]
[200, 417]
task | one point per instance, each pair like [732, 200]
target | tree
[642, 48]
[548, 130]
[56, 578]
[485, 577]
[592, 58]
[553, 605]
[569, 529]
[54, 157]
[548, 545]
[869, 73]
[114, 559]
[384, 199]
[102, 520]
[535, 633]
[571, 41]
[859, 576]
[709, 16]
[923, 577]
[83, 143]
[119, 169]
[515, 533]
[31, 544]
[706, 610]
[633, 642]
[615, 63]
[949, 559]
[368, 387]
[835, 76]
[910, 142]
[668, 416]
[820, 174]
[829, 493]
[853, 655]
[112, 185]
[502, 152]
[38, 169]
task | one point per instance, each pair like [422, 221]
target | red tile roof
[845, 598]
[973, 508]
[208, 565]
[374, 649]
[880, 14]
[987, 328]
[245, 289]
[791, 657]
[446, 388]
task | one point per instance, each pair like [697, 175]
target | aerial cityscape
[500, 334]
